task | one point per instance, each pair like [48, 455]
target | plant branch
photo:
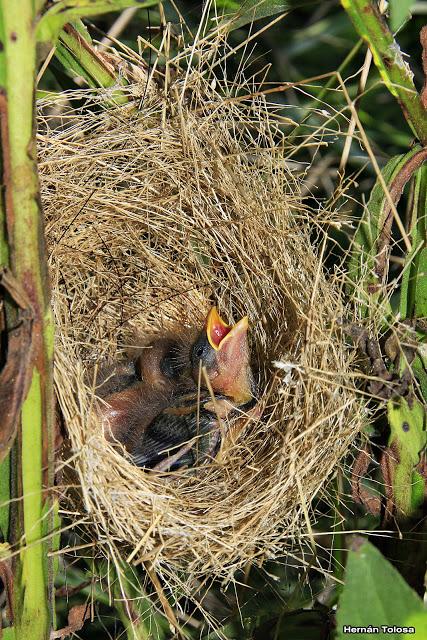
[389, 60]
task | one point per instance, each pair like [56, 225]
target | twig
[66, 592]
[352, 126]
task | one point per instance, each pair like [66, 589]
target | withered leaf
[76, 619]
[360, 493]
[17, 344]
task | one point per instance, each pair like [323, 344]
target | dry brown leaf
[14, 377]
[76, 619]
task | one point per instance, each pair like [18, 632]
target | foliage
[399, 12]
[375, 594]
[239, 14]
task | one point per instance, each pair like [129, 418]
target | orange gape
[166, 416]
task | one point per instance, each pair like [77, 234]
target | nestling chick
[223, 351]
[169, 419]
[140, 390]
[189, 428]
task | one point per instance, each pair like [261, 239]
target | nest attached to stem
[156, 210]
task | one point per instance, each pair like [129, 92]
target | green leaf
[82, 30]
[419, 621]
[407, 438]
[417, 489]
[51, 534]
[399, 12]
[81, 62]
[413, 293]
[374, 593]
[252, 10]
[69, 63]
[64, 11]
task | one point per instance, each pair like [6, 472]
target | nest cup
[155, 210]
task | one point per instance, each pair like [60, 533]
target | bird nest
[157, 209]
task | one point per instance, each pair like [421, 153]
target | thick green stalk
[24, 232]
[390, 62]
[34, 619]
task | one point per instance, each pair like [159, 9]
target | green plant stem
[394, 70]
[338, 553]
[34, 578]
[24, 232]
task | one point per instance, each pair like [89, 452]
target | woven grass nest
[156, 210]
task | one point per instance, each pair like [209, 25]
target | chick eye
[199, 352]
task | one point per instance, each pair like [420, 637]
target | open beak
[234, 377]
[216, 328]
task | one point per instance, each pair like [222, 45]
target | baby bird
[220, 365]
[174, 414]
[136, 392]
[223, 351]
